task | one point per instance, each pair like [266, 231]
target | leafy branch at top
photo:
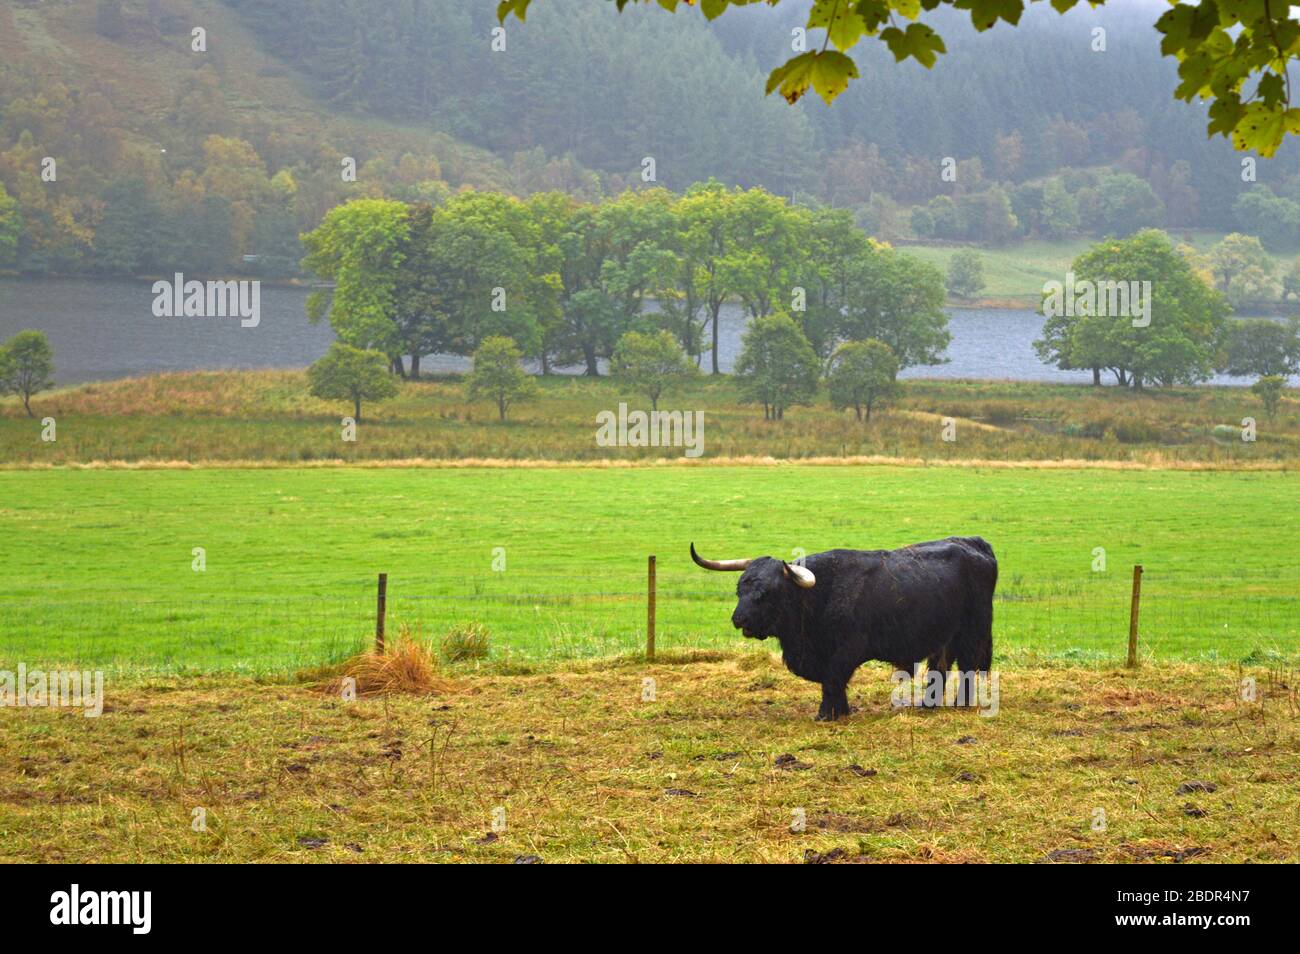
[1233, 53]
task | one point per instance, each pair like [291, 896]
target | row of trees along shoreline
[566, 281]
[557, 280]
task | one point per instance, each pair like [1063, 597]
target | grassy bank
[269, 416]
[99, 564]
[1163, 764]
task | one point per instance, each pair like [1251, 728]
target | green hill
[165, 156]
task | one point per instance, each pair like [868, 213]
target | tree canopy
[566, 279]
[497, 376]
[966, 273]
[897, 299]
[778, 367]
[862, 375]
[1168, 327]
[650, 363]
[346, 373]
[1258, 347]
[26, 366]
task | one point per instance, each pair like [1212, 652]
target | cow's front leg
[835, 702]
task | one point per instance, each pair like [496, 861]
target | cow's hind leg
[975, 650]
[936, 678]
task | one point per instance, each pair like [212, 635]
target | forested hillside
[214, 160]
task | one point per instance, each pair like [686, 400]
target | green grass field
[1015, 272]
[1018, 271]
[98, 563]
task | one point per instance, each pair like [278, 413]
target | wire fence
[558, 616]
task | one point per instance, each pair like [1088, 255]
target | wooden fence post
[380, 608]
[1133, 617]
[650, 611]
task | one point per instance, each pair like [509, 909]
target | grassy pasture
[98, 563]
[586, 771]
[1016, 273]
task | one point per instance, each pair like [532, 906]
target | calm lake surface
[106, 329]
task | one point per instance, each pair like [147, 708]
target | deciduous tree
[1187, 318]
[498, 377]
[777, 367]
[649, 363]
[346, 373]
[1269, 391]
[862, 375]
[26, 366]
[965, 273]
[897, 299]
[1264, 348]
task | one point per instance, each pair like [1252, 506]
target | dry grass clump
[407, 665]
[463, 643]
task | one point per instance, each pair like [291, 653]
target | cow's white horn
[802, 575]
[719, 564]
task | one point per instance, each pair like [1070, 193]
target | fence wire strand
[532, 615]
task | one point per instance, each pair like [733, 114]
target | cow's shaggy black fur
[929, 602]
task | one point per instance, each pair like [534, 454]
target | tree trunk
[715, 340]
[27, 403]
[415, 366]
[546, 364]
[588, 352]
[356, 410]
[1096, 377]
[857, 408]
[501, 407]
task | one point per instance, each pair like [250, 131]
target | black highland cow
[929, 602]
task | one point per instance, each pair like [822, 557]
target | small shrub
[469, 641]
